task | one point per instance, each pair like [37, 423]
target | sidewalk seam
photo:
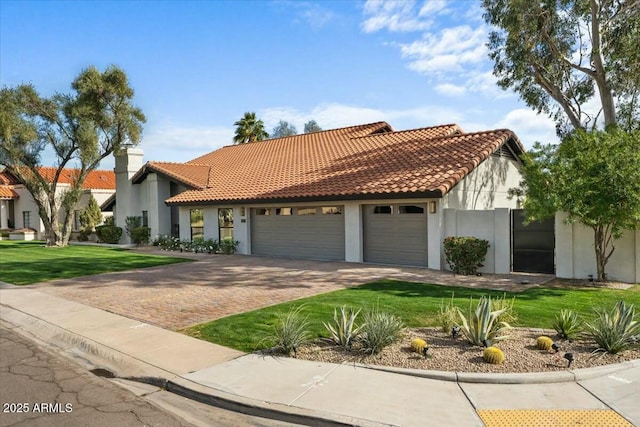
[313, 385]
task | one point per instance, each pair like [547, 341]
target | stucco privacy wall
[575, 253]
[490, 225]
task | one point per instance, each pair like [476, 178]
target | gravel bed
[448, 354]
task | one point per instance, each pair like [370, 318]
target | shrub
[167, 243]
[229, 246]
[131, 223]
[481, 327]
[109, 233]
[567, 324]
[493, 355]
[544, 343]
[291, 330]
[505, 305]
[447, 315]
[109, 220]
[343, 330]
[418, 345]
[465, 254]
[616, 331]
[379, 330]
[90, 216]
[83, 235]
[141, 235]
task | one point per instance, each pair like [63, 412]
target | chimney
[128, 162]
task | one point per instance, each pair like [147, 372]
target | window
[263, 211]
[331, 210]
[225, 224]
[382, 209]
[410, 209]
[26, 219]
[145, 218]
[284, 211]
[307, 211]
[197, 223]
[76, 220]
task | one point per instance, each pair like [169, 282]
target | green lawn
[417, 304]
[22, 263]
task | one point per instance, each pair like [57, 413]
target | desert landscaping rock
[457, 355]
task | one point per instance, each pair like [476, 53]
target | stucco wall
[490, 225]
[575, 253]
[486, 186]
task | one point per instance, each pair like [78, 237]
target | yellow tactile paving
[552, 418]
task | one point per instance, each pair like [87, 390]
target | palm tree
[249, 129]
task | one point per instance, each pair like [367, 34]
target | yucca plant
[343, 330]
[447, 315]
[615, 331]
[509, 315]
[567, 324]
[379, 329]
[480, 327]
[290, 330]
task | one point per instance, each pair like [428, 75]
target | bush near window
[465, 254]
[141, 235]
[109, 233]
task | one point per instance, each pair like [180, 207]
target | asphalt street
[40, 388]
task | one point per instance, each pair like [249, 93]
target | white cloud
[329, 116]
[313, 14]
[448, 51]
[438, 7]
[448, 89]
[393, 15]
[529, 126]
[179, 143]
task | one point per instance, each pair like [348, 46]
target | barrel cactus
[418, 345]
[544, 343]
[493, 355]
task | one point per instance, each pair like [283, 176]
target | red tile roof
[192, 175]
[96, 180]
[360, 161]
[8, 193]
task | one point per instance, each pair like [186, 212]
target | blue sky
[196, 67]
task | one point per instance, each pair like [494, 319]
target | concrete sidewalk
[313, 393]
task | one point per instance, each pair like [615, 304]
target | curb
[91, 355]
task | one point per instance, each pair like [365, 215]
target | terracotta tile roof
[7, 179]
[96, 180]
[8, 193]
[193, 175]
[345, 164]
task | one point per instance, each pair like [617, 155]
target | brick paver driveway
[214, 286]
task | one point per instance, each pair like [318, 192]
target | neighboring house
[362, 194]
[19, 210]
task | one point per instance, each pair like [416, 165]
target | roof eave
[430, 194]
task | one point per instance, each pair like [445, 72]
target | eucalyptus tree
[311, 126]
[565, 56]
[81, 128]
[282, 129]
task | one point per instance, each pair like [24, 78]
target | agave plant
[567, 324]
[343, 330]
[379, 330]
[616, 331]
[480, 327]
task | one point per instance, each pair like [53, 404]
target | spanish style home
[363, 193]
[18, 210]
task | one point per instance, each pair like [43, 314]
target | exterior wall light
[432, 207]
[242, 211]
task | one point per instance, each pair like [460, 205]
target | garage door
[395, 234]
[304, 232]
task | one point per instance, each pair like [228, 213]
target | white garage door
[395, 234]
[304, 232]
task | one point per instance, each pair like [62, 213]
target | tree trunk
[604, 247]
[597, 61]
